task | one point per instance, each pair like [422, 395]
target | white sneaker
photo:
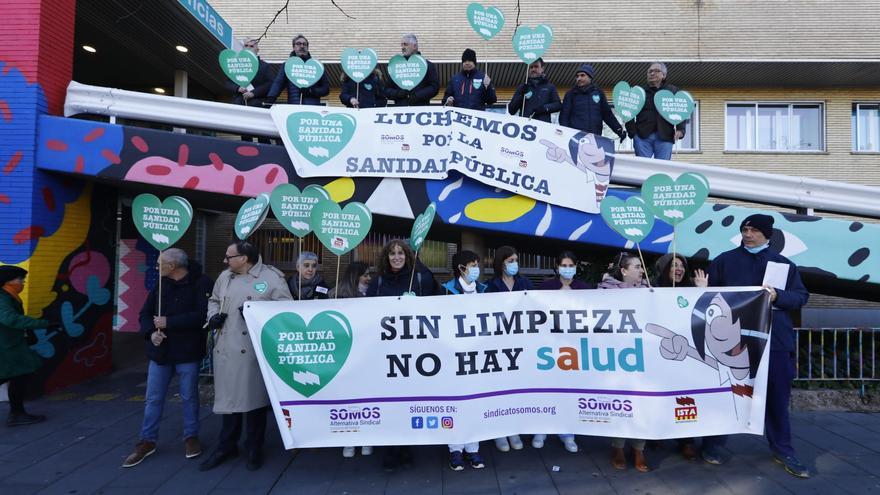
[538, 441]
[366, 450]
[515, 442]
[347, 451]
[570, 444]
[502, 444]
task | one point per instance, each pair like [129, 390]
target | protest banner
[634, 363]
[546, 162]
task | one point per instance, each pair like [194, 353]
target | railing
[837, 354]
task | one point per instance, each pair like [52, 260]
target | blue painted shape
[78, 135]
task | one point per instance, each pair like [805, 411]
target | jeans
[158, 378]
[652, 146]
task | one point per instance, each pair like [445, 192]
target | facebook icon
[418, 422]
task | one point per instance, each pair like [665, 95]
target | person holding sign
[426, 89]
[755, 263]
[652, 135]
[585, 106]
[470, 88]
[254, 94]
[626, 272]
[175, 344]
[307, 283]
[537, 98]
[369, 93]
[239, 392]
[295, 95]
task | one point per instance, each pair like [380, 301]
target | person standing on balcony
[653, 136]
[254, 94]
[537, 98]
[470, 88]
[585, 106]
[423, 92]
[744, 266]
[296, 95]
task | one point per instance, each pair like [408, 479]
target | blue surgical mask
[757, 249]
[567, 272]
[473, 273]
[511, 268]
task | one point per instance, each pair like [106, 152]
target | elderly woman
[239, 392]
[308, 282]
[17, 360]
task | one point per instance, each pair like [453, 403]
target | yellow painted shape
[64, 396]
[102, 397]
[136, 398]
[340, 189]
[499, 210]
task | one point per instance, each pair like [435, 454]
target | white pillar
[181, 89]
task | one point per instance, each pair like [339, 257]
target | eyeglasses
[227, 257]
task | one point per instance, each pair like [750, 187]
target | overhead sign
[208, 17]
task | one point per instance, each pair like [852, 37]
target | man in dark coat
[537, 98]
[744, 266]
[254, 94]
[296, 95]
[470, 88]
[369, 93]
[423, 92]
[652, 135]
[585, 106]
[174, 336]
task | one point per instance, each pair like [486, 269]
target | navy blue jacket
[585, 108]
[519, 283]
[420, 95]
[261, 83]
[310, 96]
[185, 307]
[395, 284]
[369, 92]
[469, 90]
[541, 98]
[739, 267]
[648, 120]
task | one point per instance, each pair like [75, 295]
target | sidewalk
[92, 427]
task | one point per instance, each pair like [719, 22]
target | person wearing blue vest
[470, 88]
[744, 266]
[296, 95]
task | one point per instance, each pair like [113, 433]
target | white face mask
[567, 272]
[511, 268]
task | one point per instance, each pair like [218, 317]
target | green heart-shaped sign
[421, 227]
[303, 74]
[675, 108]
[628, 101]
[240, 67]
[358, 63]
[162, 223]
[485, 21]
[530, 44]
[307, 357]
[317, 137]
[294, 208]
[631, 218]
[407, 73]
[341, 229]
[673, 201]
[251, 215]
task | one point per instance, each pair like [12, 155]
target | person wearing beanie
[585, 106]
[17, 361]
[746, 266]
[470, 88]
[536, 98]
[652, 135]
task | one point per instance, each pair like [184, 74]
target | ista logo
[685, 410]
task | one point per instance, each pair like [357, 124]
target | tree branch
[285, 10]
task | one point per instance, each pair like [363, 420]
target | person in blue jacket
[537, 98]
[369, 93]
[423, 92]
[470, 88]
[746, 266]
[296, 95]
[585, 106]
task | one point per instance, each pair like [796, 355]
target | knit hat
[764, 223]
[9, 272]
[587, 69]
[469, 55]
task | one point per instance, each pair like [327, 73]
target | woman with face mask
[566, 267]
[626, 272]
[17, 361]
[507, 279]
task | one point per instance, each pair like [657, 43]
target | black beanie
[9, 272]
[764, 223]
[469, 54]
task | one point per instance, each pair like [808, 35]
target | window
[866, 127]
[776, 127]
[691, 141]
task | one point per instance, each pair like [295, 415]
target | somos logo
[512, 153]
[686, 409]
[593, 408]
[391, 138]
[344, 419]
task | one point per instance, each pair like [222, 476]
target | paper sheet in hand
[776, 275]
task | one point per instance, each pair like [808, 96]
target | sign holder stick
[357, 94]
[673, 253]
[299, 274]
[336, 285]
[522, 111]
[159, 282]
[412, 272]
[639, 248]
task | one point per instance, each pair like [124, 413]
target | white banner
[549, 163]
[634, 363]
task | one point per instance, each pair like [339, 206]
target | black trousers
[17, 385]
[255, 430]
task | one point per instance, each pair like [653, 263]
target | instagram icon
[446, 422]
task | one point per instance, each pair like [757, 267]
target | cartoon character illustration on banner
[735, 328]
[587, 155]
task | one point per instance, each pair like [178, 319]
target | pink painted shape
[137, 293]
[210, 179]
[85, 264]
